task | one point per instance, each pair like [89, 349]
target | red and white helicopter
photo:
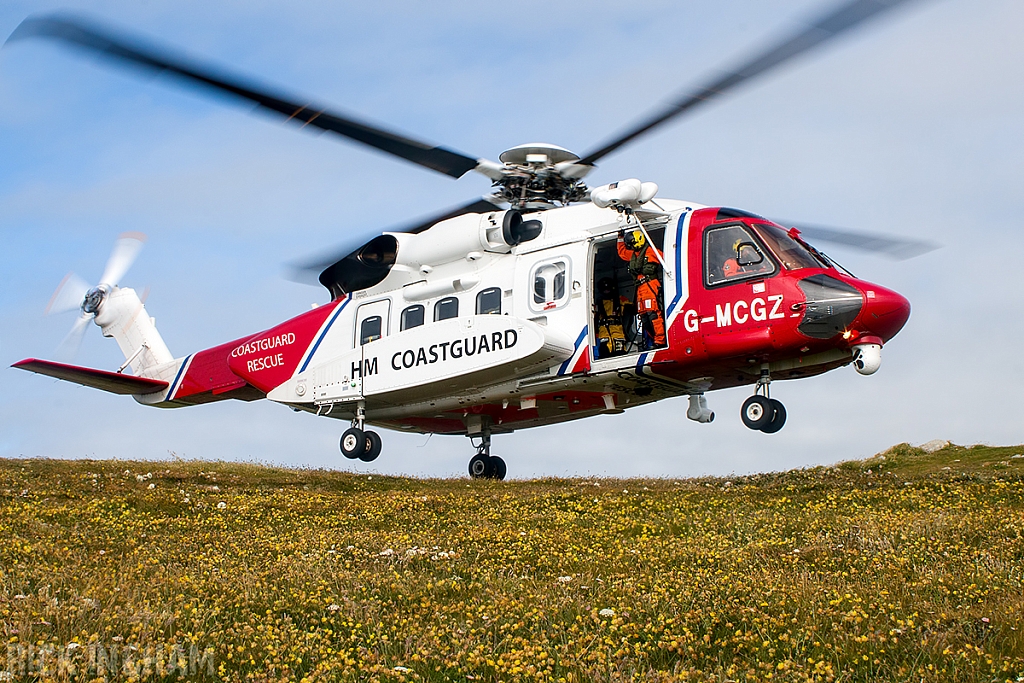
[491, 317]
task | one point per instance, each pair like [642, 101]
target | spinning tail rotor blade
[895, 248]
[133, 51]
[126, 249]
[841, 19]
[69, 295]
[68, 348]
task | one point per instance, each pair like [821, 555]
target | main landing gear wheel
[498, 469]
[483, 466]
[373, 446]
[757, 412]
[353, 443]
[778, 417]
[480, 466]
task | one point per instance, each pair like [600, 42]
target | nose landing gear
[483, 465]
[359, 443]
[760, 411]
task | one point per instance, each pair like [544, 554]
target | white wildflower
[607, 612]
[221, 505]
[151, 487]
[564, 579]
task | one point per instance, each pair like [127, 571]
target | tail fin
[123, 316]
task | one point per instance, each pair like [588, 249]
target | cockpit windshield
[793, 255]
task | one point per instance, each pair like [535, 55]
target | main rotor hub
[532, 180]
[537, 153]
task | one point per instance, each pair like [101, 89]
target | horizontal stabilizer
[114, 382]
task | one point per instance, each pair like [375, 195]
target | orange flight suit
[647, 288]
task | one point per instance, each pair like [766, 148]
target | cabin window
[447, 307]
[412, 317]
[732, 253]
[370, 328]
[549, 285]
[488, 302]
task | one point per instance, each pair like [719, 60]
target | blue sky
[913, 125]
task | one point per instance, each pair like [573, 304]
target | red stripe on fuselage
[227, 367]
[583, 363]
[209, 373]
[270, 358]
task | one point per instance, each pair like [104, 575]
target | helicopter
[485, 319]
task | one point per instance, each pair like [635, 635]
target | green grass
[904, 567]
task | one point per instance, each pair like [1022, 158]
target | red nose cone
[884, 314]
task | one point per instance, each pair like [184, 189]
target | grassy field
[903, 567]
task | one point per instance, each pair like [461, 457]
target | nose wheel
[483, 465]
[761, 412]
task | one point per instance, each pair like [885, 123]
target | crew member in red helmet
[645, 268]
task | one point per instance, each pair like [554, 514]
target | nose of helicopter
[884, 313]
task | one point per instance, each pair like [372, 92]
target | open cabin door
[616, 333]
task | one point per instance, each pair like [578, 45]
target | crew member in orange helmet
[644, 267]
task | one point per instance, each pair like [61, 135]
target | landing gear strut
[760, 411]
[483, 465]
[359, 443]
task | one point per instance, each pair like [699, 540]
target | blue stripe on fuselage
[575, 347]
[680, 248]
[323, 334]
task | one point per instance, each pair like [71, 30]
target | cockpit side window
[732, 253]
[793, 255]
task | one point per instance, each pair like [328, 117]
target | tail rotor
[73, 292]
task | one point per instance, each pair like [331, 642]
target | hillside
[906, 566]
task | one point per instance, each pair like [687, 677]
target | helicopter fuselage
[464, 333]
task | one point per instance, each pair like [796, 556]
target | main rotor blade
[309, 271]
[126, 249]
[68, 348]
[841, 19]
[895, 248]
[69, 295]
[108, 44]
